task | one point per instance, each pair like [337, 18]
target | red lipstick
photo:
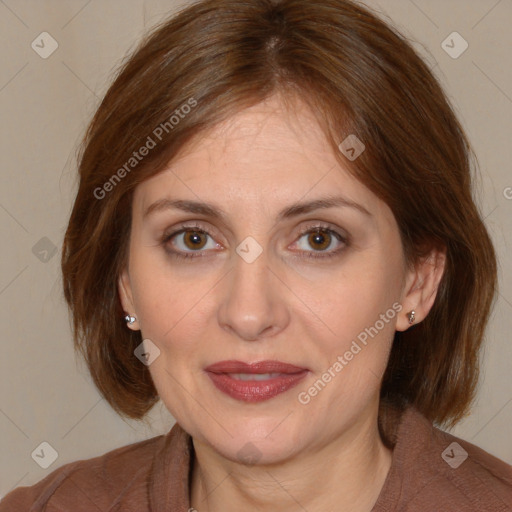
[254, 382]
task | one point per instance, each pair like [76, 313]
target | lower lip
[255, 390]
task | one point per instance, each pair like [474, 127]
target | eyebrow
[215, 212]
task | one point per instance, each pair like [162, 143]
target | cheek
[170, 299]
[360, 310]
[166, 309]
[359, 294]
[151, 292]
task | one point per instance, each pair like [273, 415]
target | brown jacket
[430, 472]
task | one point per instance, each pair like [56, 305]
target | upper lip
[257, 367]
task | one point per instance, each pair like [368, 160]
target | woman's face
[259, 284]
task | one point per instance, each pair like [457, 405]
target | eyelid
[324, 226]
[188, 225]
[334, 231]
[182, 228]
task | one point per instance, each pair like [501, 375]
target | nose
[253, 304]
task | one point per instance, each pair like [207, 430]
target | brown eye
[194, 239]
[189, 242]
[319, 240]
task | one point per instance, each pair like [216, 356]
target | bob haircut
[359, 76]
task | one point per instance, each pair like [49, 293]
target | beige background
[45, 104]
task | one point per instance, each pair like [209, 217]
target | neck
[350, 468]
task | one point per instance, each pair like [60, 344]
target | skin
[282, 306]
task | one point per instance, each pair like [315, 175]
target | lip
[221, 374]
[257, 367]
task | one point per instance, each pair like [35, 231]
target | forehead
[269, 155]
[271, 126]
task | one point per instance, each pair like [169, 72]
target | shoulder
[484, 480]
[438, 469]
[92, 484]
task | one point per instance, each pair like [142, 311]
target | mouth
[254, 382]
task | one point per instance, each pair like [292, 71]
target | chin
[256, 441]
[251, 451]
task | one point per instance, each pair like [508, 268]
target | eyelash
[202, 230]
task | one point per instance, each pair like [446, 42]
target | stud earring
[411, 316]
[129, 319]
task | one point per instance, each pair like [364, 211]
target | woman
[274, 233]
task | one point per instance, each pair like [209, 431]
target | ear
[125, 294]
[421, 287]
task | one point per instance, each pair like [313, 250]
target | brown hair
[360, 77]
